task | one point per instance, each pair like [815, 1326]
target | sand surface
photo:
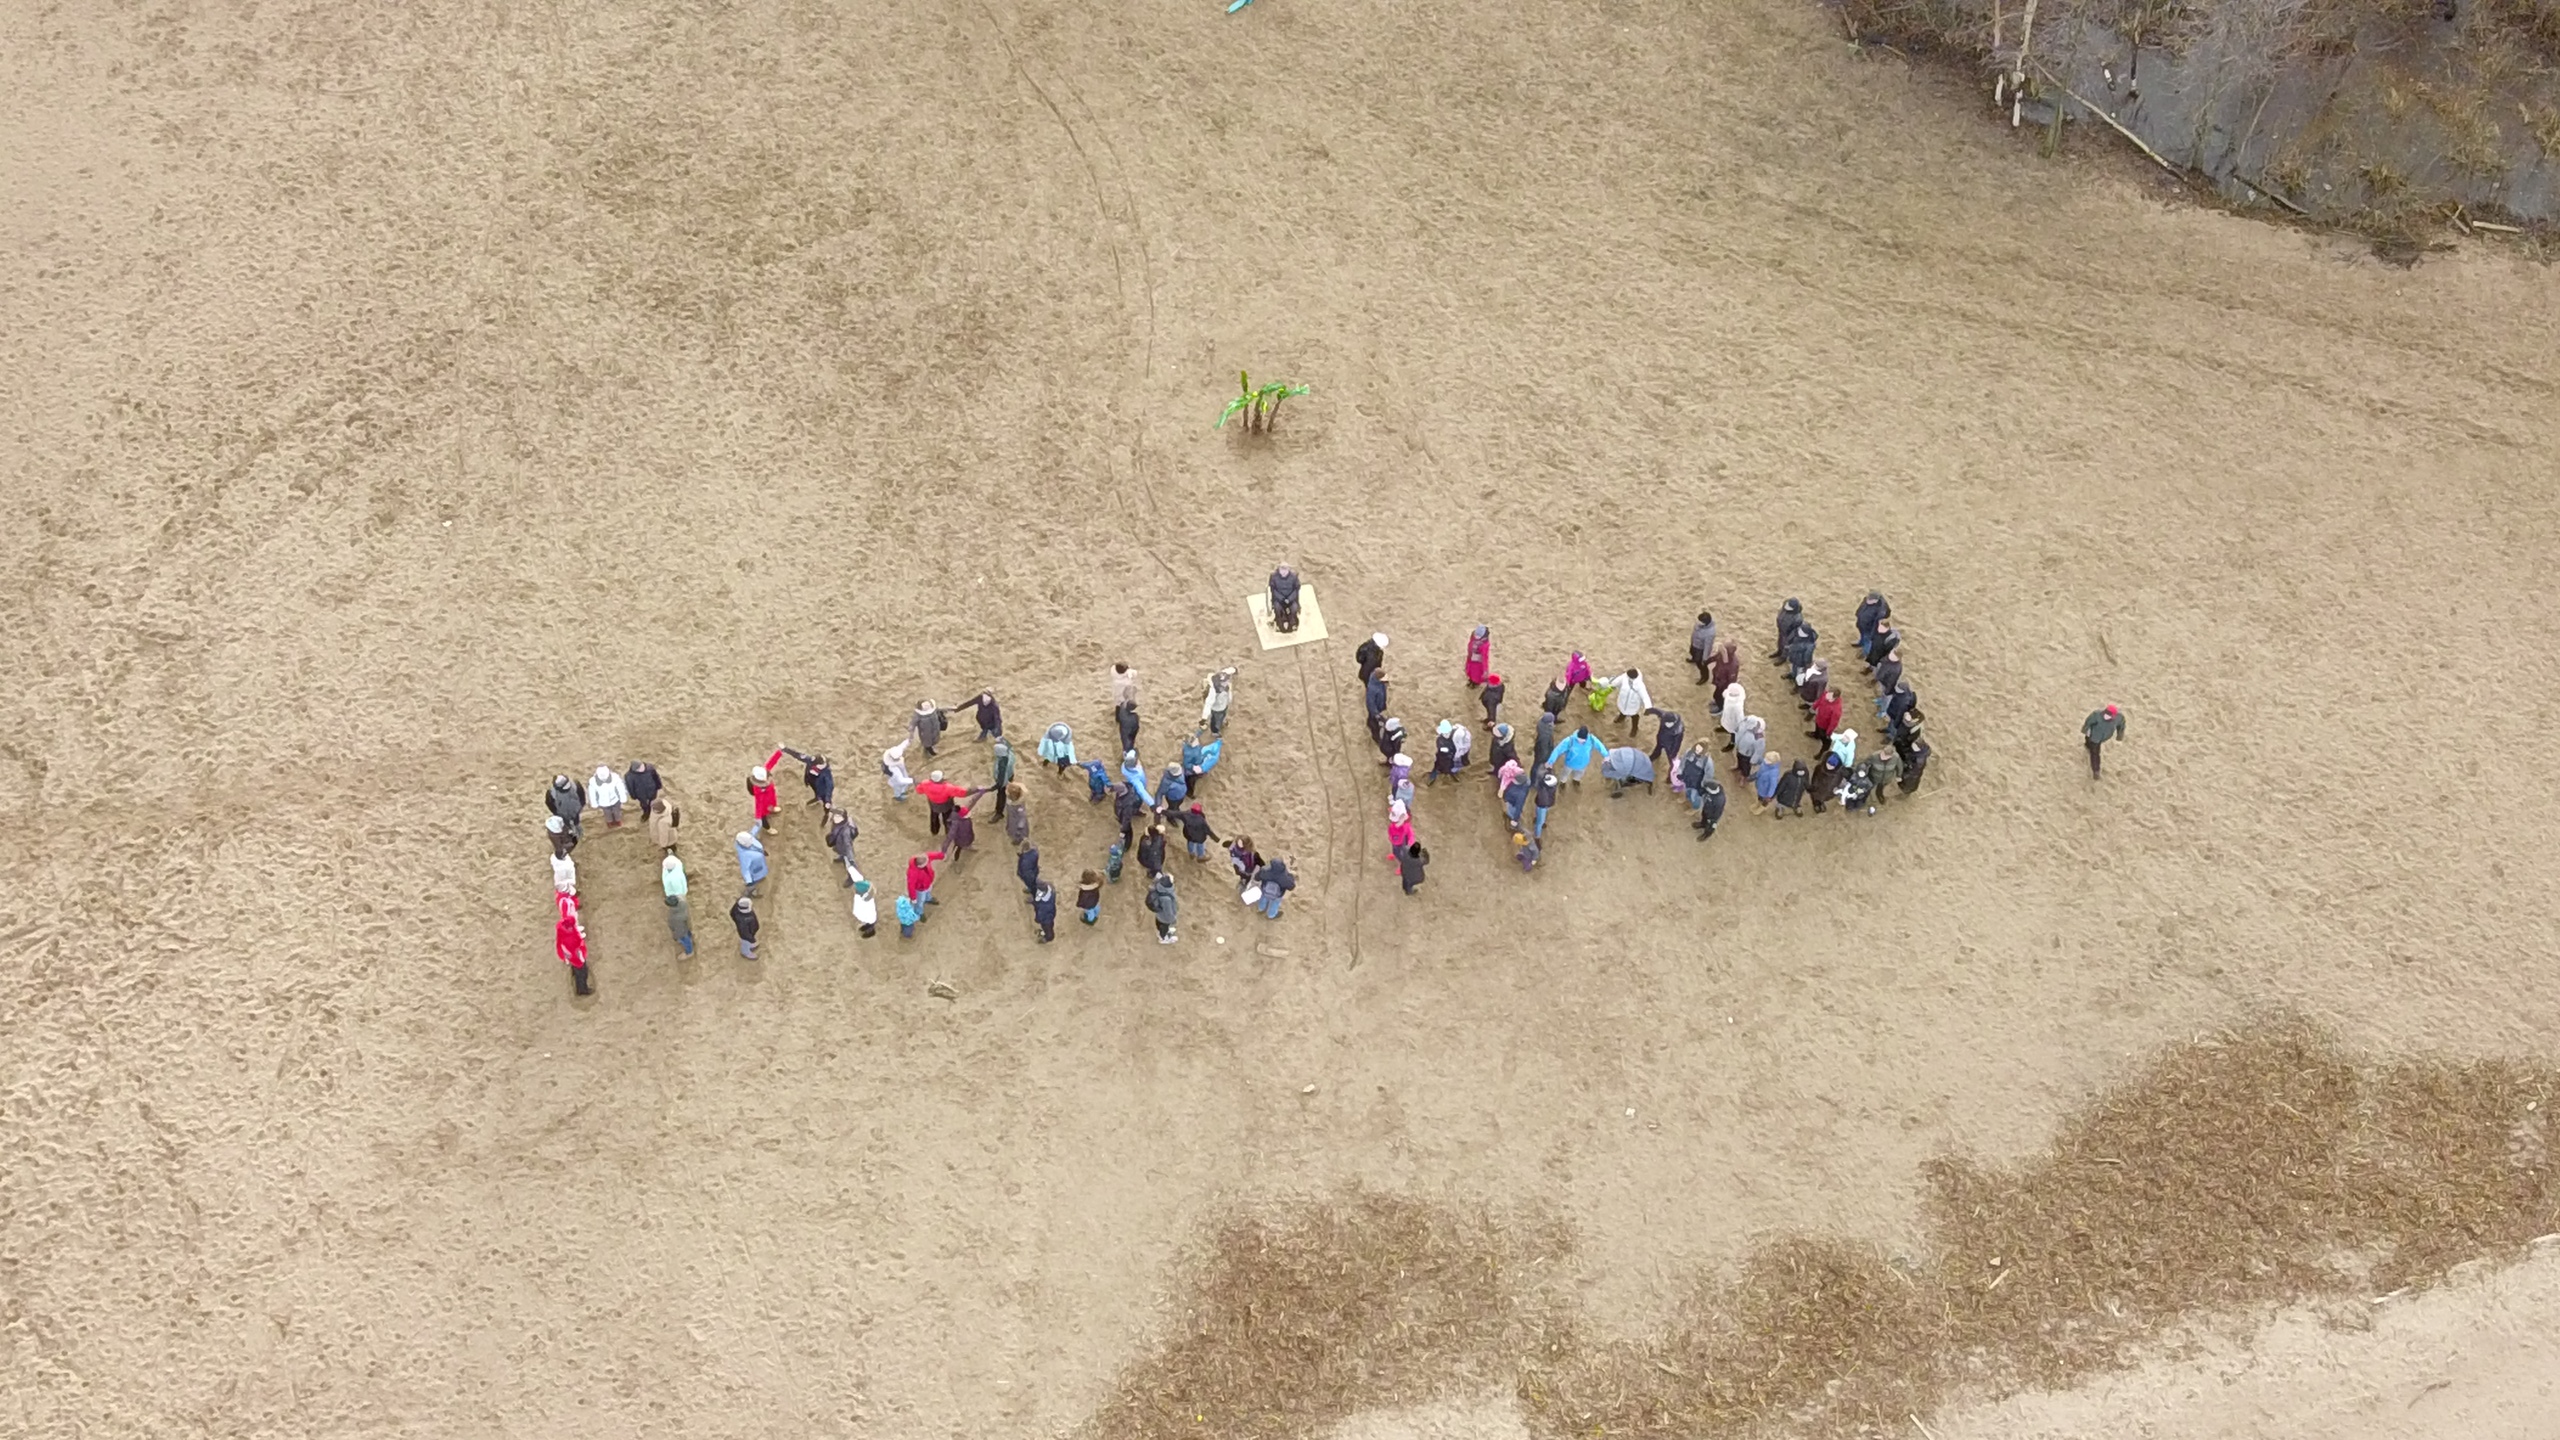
[408, 402]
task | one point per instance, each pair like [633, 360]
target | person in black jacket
[1373, 694]
[1491, 695]
[1410, 863]
[1545, 743]
[567, 801]
[1126, 806]
[1790, 620]
[1196, 833]
[1151, 851]
[743, 915]
[1791, 788]
[1044, 910]
[1669, 733]
[1276, 883]
[1390, 736]
[818, 775]
[1127, 714]
[1501, 751]
[1284, 600]
[640, 778]
[1709, 798]
[1026, 868]
[1914, 760]
[990, 715]
[1558, 694]
[1872, 613]
[841, 833]
[1372, 655]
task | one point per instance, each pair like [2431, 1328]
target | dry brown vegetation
[2233, 1173]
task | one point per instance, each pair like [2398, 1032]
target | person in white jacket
[866, 909]
[893, 764]
[605, 793]
[1731, 718]
[1631, 697]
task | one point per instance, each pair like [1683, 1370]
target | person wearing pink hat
[2103, 725]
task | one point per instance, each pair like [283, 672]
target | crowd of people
[1150, 809]
[1154, 810]
[1564, 749]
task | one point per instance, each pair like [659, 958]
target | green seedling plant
[1259, 407]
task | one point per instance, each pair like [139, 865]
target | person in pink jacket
[1399, 829]
[1577, 672]
[1479, 657]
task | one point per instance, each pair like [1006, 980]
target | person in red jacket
[942, 795]
[760, 788]
[1826, 716]
[569, 937]
[920, 877]
[1479, 657]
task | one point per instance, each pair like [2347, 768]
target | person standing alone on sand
[1702, 645]
[743, 916]
[2103, 725]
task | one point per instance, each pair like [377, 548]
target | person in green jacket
[2103, 725]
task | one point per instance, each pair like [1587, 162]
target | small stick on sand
[2500, 229]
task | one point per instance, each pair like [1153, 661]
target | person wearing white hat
[564, 875]
[606, 795]
[1371, 655]
[927, 723]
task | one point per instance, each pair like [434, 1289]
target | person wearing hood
[1026, 868]
[1731, 716]
[1544, 798]
[1670, 732]
[1543, 744]
[1164, 907]
[866, 907]
[1525, 849]
[988, 714]
[1089, 897]
[664, 819]
[1764, 780]
[1798, 656]
[672, 884]
[1276, 883]
[1826, 715]
[1479, 657]
[761, 791]
[2104, 724]
[1903, 701]
[1399, 827]
[1724, 671]
[1913, 763]
[1872, 613]
[1750, 744]
[743, 916]
[1372, 655]
[605, 795]
[1558, 694]
[1196, 833]
[1134, 774]
[1577, 671]
[1702, 645]
[558, 834]
[1218, 696]
[1390, 737]
[1017, 816]
[927, 725]
[961, 831]
[640, 782]
[1058, 747]
[1151, 850]
[1411, 863]
[751, 860]
[1444, 755]
[569, 941]
[1462, 741]
[1044, 910]
[1501, 752]
[1373, 698]
[1511, 782]
[1623, 766]
[1790, 620]
[564, 875]
[893, 765]
[1791, 790]
[1400, 778]
[568, 802]
[1824, 783]
[1576, 753]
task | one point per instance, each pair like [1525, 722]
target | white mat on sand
[1310, 618]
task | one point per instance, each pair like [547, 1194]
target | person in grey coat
[1702, 644]
[1162, 905]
